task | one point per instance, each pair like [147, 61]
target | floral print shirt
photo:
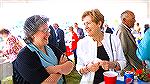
[11, 48]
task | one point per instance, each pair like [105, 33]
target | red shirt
[75, 39]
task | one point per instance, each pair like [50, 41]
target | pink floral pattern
[12, 48]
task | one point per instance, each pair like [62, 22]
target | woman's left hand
[105, 65]
[93, 67]
[63, 59]
[108, 65]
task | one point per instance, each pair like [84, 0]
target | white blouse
[87, 52]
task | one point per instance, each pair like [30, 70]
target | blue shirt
[46, 60]
[143, 51]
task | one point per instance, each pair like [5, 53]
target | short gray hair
[125, 14]
[31, 26]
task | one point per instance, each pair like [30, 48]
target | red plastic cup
[110, 77]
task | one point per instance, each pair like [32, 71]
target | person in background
[74, 42]
[95, 54]
[128, 41]
[136, 32]
[78, 31]
[11, 44]
[37, 63]
[10, 47]
[52, 38]
[143, 51]
[108, 29]
[137, 28]
[60, 38]
[146, 26]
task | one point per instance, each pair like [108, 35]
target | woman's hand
[105, 65]
[94, 66]
[64, 68]
[63, 59]
[110, 65]
[91, 67]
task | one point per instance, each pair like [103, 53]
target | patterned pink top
[12, 48]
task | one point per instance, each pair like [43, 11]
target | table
[120, 80]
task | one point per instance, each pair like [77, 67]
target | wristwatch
[116, 64]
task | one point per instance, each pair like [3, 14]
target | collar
[127, 27]
[56, 29]
[32, 47]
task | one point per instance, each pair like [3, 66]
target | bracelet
[116, 64]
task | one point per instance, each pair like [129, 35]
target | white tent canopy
[66, 12]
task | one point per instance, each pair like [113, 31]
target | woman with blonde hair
[97, 52]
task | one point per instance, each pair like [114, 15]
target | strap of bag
[111, 47]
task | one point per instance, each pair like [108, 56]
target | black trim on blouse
[101, 54]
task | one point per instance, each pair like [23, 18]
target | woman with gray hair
[37, 63]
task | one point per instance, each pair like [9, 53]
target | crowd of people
[44, 60]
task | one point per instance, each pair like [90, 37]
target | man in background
[52, 38]
[79, 31]
[128, 41]
[59, 37]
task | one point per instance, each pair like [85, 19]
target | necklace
[99, 43]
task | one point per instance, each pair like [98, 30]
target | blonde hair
[95, 14]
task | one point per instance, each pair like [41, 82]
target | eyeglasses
[87, 23]
[45, 30]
